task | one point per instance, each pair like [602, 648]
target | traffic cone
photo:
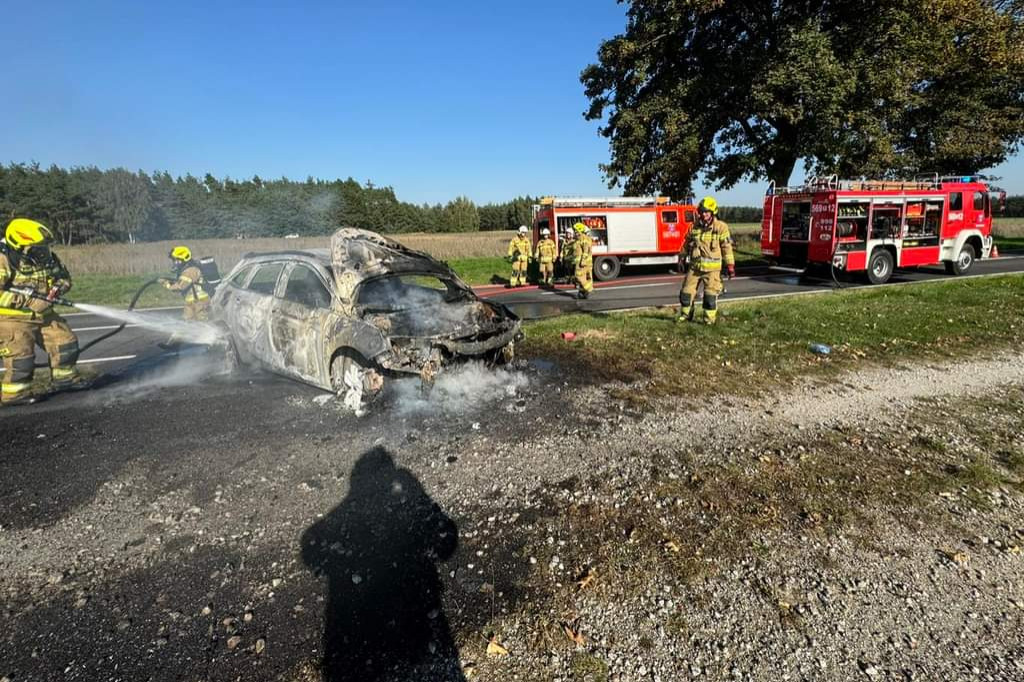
[995, 252]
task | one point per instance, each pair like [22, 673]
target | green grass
[479, 271]
[118, 290]
[1010, 243]
[760, 343]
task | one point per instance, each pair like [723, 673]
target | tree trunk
[782, 169]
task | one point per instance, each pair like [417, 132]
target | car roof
[363, 253]
[322, 256]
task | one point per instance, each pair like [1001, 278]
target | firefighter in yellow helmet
[706, 249]
[545, 255]
[583, 253]
[519, 256]
[188, 281]
[27, 266]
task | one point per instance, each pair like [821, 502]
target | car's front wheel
[356, 381]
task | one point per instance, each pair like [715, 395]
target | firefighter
[519, 256]
[545, 257]
[188, 281]
[567, 256]
[707, 247]
[584, 262]
[26, 262]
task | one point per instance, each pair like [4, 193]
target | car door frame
[293, 320]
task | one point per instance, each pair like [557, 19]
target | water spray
[59, 300]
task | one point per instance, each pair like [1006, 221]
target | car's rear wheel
[356, 381]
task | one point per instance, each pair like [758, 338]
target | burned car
[347, 318]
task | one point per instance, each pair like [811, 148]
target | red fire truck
[875, 226]
[625, 230]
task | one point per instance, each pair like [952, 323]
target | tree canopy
[745, 90]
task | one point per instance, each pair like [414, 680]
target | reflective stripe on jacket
[707, 248]
[584, 251]
[519, 248]
[190, 282]
[18, 273]
[546, 251]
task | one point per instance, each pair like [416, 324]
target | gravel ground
[520, 527]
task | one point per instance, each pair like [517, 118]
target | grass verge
[117, 291]
[1010, 243]
[760, 343]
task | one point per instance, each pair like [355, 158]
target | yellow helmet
[181, 253]
[709, 204]
[580, 227]
[23, 233]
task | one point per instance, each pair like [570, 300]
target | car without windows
[347, 318]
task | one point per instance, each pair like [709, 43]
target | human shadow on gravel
[379, 551]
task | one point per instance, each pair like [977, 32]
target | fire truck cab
[624, 230]
[875, 226]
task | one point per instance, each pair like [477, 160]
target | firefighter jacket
[569, 252]
[546, 251]
[519, 249]
[707, 248]
[17, 271]
[584, 253]
[190, 284]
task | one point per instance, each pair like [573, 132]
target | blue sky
[433, 98]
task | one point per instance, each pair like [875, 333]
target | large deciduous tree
[744, 90]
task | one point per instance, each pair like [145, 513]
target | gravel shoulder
[522, 526]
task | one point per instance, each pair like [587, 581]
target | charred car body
[344, 319]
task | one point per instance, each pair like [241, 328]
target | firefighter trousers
[195, 311]
[712, 281]
[547, 272]
[519, 267]
[584, 278]
[18, 341]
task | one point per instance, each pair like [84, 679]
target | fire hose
[29, 293]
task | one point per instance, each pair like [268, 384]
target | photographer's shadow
[379, 551]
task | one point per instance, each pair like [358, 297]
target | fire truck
[625, 230]
[875, 226]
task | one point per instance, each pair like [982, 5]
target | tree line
[89, 205]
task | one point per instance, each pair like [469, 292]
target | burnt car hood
[368, 254]
[459, 319]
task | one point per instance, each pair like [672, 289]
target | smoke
[459, 390]
[188, 367]
[418, 305]
[192, 332]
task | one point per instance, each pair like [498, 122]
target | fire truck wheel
[963, 261]
[880, 267]
[606, 268]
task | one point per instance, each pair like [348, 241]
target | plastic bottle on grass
[820, 349]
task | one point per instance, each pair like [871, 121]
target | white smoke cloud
[459, 390]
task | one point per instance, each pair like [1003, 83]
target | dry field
[142, 259]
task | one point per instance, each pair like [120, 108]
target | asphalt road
[136, 347]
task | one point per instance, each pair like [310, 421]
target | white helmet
[523, 229]
[545, 232]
